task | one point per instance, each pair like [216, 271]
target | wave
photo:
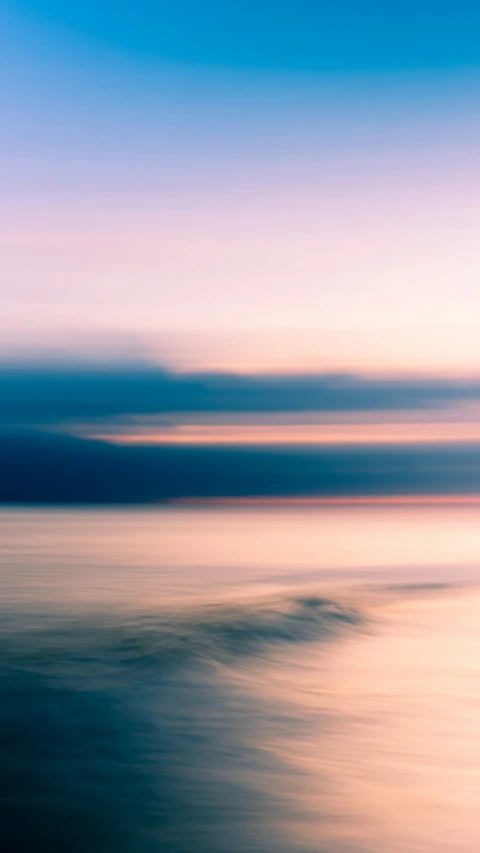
[165, 639]
[215, 634]
[124, 735]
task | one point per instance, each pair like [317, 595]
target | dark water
[216, 681]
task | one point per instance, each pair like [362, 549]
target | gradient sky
[253, 185]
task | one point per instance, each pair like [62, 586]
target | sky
[240, 228]
[243, 186]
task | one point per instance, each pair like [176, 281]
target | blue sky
[318, 35]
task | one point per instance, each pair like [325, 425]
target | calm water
[280, 680]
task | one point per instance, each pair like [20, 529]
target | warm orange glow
[353, 433]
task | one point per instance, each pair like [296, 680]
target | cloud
[41, 460]
[50, 468]
[40, 396]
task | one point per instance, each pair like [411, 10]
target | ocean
[288, 679]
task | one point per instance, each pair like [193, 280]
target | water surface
[233, 679]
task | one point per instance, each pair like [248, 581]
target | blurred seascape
[239, 427]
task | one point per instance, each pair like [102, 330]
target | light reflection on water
[387, 739]
[145, 556]
[233, 680]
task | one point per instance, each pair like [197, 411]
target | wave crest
[223, 633]
[215, 634]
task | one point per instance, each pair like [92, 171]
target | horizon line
[360, 500]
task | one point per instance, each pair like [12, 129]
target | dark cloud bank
[40, 464]
[32, 396]
[43, 468]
